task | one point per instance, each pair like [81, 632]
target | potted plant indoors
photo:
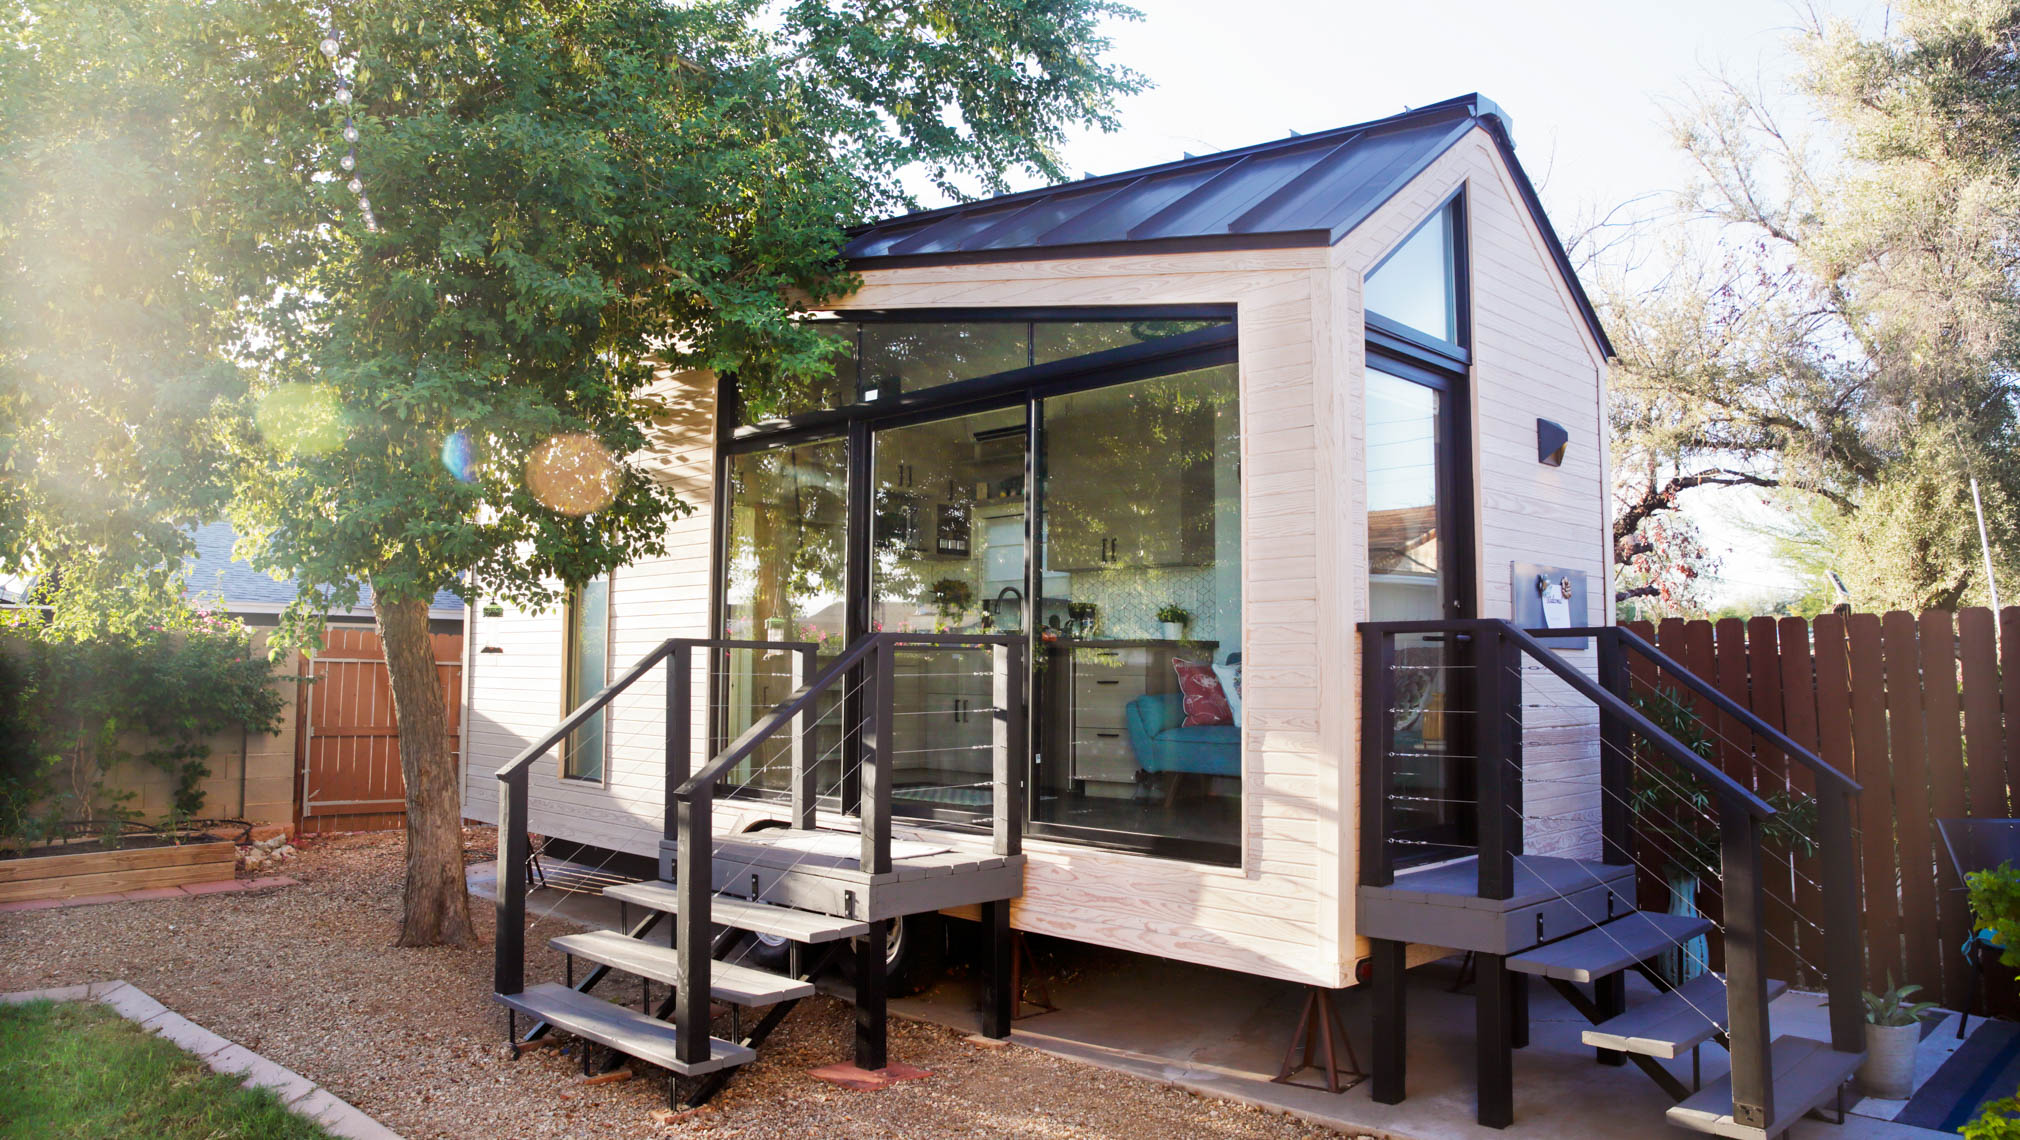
[1893, 1029]
[1173, 617]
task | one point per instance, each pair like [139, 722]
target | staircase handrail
[1725, 704]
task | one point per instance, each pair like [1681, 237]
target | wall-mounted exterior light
[1551, 442]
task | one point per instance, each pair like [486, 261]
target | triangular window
[1417, 286]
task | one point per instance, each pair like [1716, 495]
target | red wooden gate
[349, 747]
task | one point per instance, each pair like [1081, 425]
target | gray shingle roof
[213, 572]
[1303, 190]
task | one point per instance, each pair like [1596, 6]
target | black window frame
[856, 423]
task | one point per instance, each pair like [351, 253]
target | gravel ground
[308, 976]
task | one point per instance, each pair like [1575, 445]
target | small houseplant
[1893, 1029]
[1173, 617]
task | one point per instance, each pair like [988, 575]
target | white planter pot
[1889, 1068]
[1174, 631]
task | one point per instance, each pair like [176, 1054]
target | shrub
[1995, 903]
[74, 708]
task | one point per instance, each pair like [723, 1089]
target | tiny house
[1059, 582]
[1283, 389]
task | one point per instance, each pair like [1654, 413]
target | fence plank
[1984, 735]
[1942, 728]
[1779, 917]
[2009, 693]
[1907, 750]
[1735, 743]
[1876, 802]
[1799, 708]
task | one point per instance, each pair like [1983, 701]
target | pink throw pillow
[1205, 701]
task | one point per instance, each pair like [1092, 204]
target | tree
[1849, 335]
[457, 323]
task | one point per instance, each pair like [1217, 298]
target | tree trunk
[437, 904]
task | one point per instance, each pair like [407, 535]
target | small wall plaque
[1550, 597]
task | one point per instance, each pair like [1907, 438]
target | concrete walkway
[1223, 1034]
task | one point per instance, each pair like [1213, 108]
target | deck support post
[1610, 995]
[999, 982]
[870, 1016]
[1391, 1043]
[1493, 1003]
[1518, 1010]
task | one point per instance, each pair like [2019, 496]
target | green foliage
[80, 1071]
[1674, 810]
[1847, 342]
[1892, 1008]
[1995, 906]
[75, 709]
[1174, 613]
[576, 198]
[1998, 1120]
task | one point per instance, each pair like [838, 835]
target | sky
[1583, 82]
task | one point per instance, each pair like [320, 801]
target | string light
[332, 47]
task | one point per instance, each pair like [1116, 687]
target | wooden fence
[1915, 709]
[348, 738]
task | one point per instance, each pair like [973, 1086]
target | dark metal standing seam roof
[1307, 190]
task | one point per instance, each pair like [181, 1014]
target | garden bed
[100, 872]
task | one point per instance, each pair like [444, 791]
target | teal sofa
[1163, 742]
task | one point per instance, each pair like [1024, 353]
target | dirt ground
[308, 976]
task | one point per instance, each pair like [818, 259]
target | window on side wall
[588, 671]
[1417, 288]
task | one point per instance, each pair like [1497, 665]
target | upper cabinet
[1129, 476]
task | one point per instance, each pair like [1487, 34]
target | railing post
[508, 965]
[1378, 697]
[1844, 940]
[692, 879]
[1497, 701]
[878, 765]
[1007, 747]
[679, 726]
[805, 749]
[1746, 984]
[1616, 823]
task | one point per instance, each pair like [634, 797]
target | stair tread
[1611, 948]
[727, 981]
[625, 1030]
[1807, 1074]
[760, 918]
[1674, 1023]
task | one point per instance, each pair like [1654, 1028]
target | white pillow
[1230, 684]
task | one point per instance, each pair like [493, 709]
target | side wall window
[588, 650]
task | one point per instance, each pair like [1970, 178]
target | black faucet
[1010, 592]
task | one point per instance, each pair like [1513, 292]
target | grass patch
[76, 1070]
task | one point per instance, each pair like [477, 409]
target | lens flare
[302, 419]
[459, 455]
[572, 474]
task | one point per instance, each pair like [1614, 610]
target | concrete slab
[1223, 1034]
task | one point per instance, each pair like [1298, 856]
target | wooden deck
[820, 870]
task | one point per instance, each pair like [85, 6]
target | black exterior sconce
[1551, 442]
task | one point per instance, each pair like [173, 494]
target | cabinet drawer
[1102, 754]
[1096, 688]
[1092, 657]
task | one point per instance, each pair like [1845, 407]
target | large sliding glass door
[916, 517]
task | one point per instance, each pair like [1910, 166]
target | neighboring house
[256, 598]
[1339, 378]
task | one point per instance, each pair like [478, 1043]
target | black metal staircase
[826, 890]
[1573, 921]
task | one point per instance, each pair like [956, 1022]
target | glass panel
[1141, 502]
[1059, 340]
[907, 356]
[822, 394]
[1417, 285]
[948, 558]
[1433, 792]
[588, 672]
[788, 511]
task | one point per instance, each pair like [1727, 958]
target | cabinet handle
[1108, 735]
[1100, 682]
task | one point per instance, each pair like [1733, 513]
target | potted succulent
[1893, 1029]
[1173, 617]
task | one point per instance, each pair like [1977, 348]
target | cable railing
[1481, 665]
